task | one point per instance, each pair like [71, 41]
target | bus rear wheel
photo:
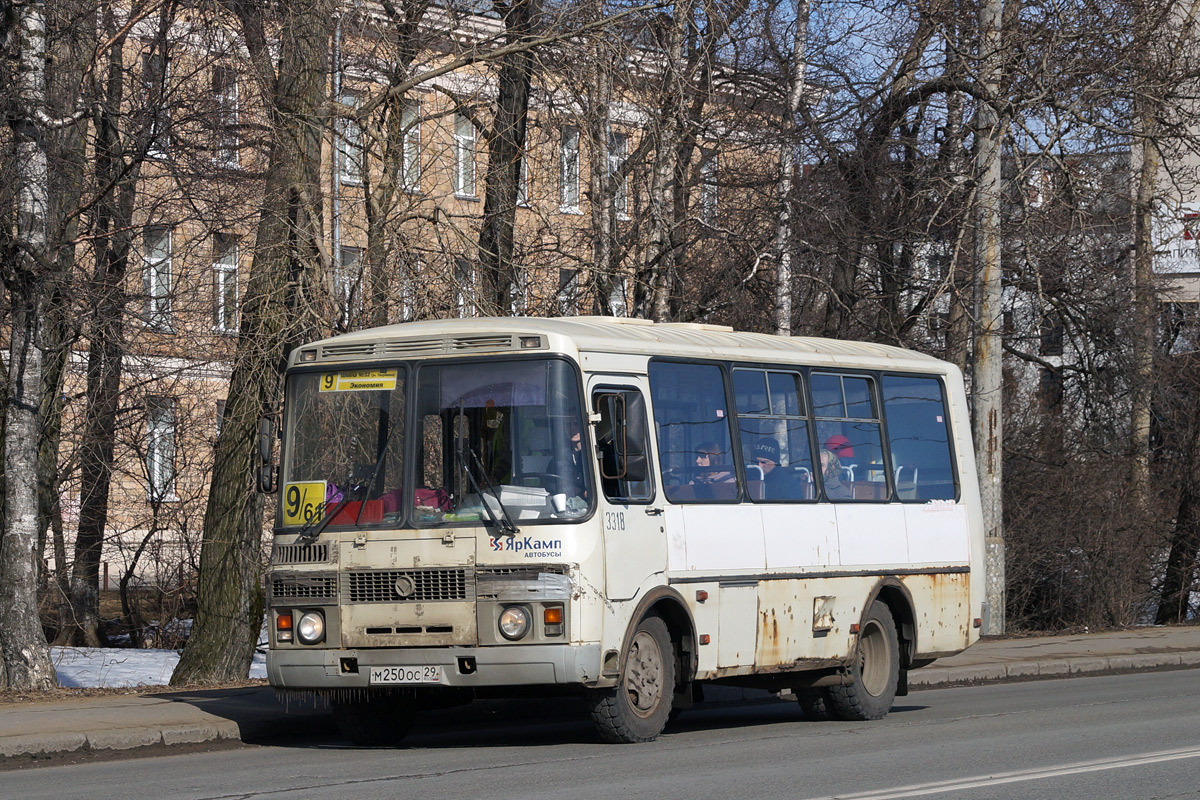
[381, 721]
[875, 671]
[637, 708]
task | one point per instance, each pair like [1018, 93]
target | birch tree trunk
[274, 320]
[787, 167]
[601, 182]
[24, 657]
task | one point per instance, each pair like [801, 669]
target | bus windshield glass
[500, 439]
[344, 452]
[495, 441]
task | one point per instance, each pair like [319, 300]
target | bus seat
[754, 488]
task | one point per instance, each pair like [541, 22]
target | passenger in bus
[779, 483]
[710, 466]
[831, 472]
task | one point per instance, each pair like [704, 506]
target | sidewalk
[124, 722]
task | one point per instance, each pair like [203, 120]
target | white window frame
[568, 171]
[410, 159]
[350, 150]
[160, 448]
[156, 277]
[225, 282]
[464, 156]
[225, 102]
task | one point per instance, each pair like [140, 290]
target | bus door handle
[654, 512]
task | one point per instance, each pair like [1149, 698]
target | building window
[410, 278]
[523, 181]
[410, 166]
[464, 156]
[225, 121]
[708, 190]
[464, 278]
[617, 297]
[618, 151]
[155, 73]
[160, 448]
[568, 292]
[1051, 331]
[156, 276]
[349, 284]
[350, 145]
[225, 282]
[569, 170]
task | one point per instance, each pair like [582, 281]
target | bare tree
[274, 318]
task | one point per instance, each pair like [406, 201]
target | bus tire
[875, 671]
[815, 703]
[637, 708]
[382, 721]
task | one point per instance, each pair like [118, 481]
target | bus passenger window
[774, 433]
[694, 441]
[919, 437]
[849, 435]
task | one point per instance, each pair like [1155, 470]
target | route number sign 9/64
[303, 502]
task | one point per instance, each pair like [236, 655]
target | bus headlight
[311, 627]
[513, 622]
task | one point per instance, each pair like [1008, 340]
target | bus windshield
[344, 448]
[492, 441]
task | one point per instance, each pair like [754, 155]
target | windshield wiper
[312, 530]
[504, 525]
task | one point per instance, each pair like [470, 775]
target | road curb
[1012, 671]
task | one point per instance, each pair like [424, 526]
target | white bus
[619, 509]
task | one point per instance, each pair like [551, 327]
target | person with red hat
[840, 446]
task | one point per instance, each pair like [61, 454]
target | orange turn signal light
[283, 622]
[553, 615]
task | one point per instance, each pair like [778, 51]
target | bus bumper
[491, 666]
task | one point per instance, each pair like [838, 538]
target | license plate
[426, 674]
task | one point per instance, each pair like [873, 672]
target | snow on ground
[116, 667]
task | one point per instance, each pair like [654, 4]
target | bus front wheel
[875, 671]
[637, 708]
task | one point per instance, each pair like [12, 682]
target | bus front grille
[408, 585]
[303, 587]
[300, 553]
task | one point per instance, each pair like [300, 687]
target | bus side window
[919, 438]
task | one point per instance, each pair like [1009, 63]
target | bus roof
[621, 335]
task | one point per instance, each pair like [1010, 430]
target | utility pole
[988, 384]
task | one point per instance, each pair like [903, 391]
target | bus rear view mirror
[266, 448]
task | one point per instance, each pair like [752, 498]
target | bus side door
[631, 517]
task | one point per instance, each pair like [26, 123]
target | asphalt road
[1127, 736]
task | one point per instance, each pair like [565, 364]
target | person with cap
[779, 483]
